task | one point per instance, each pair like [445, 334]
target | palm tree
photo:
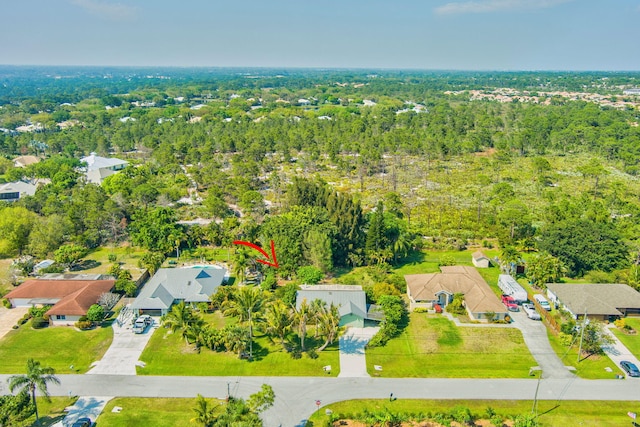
[182, 318]
[240, 264]
[301, 317]
[205, 414]
[328, 323]
[246, 305]
[509, 256]
[278, 320]
[36, 377]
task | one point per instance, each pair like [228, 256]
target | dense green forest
[339, 168]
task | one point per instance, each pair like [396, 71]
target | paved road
[296, 396]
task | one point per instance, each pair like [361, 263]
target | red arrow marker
[266, 261]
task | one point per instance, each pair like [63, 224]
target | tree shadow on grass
[86, 264]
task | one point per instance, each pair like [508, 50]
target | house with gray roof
[12, 191]
[98, 168]
[350, 300]
[596, 300]
[172, 285]
[427, 290]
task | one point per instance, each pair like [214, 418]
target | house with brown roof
[69, 299]
[427, 290]
[24, 161]
[595, 300]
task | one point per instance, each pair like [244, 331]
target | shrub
[420, 310]
[83, 324]
[24, 319]
[456, 306]
[112, 257]
[309, 275]
[6, 303]
[312, 353]
[95, 313]
[296, 353]
[39, 323]
[565, 339]
[38, 311]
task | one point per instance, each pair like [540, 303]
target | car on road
[141, 323]
[83, 422]
[530, 311]
[630, 368]
[540, 299]
[511, 303]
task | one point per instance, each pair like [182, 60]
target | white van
[540, 299]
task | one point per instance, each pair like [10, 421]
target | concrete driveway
[125, 350]
[353, 362]
[9, 317]
[618, 352]
[85, 407]
[535, 337]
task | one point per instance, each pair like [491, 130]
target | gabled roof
[478, 296]
[95, 162]
[191, 284]
[350, 299]
[23, 161]
[478, 255]
[70, 297]
[18, 187]
[596, 299]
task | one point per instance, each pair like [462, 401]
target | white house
[480, 260]
[12, 191]
[98, 168]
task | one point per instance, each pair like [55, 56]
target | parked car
[630, 368]
[83, 422]
[141, 323]
[540, 299]
[510, 303]
[530, 311]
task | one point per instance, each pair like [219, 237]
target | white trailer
[510, 287]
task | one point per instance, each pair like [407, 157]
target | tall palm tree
[37, 377]
[246, 305]
[301, 316]
[240, 264]
[278, 320]
[328, 324]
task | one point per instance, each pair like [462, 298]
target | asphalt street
[296, 396]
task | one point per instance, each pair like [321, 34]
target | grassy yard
[632, 342]
[591, 368]
[167, 354]
[427, 261]
[98, 260]
[59, 347]
[157, 412]
[432, 346]
[568, 413]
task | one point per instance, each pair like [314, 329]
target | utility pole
[584, 323]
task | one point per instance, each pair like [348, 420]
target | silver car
[531, 312]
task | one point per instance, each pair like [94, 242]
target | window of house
[61, 317]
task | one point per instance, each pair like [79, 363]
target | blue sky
[426, 34]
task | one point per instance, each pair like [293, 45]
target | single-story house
[427, 290]
[98, 168]
[480, 260]
[12, 191]
[172, 285]
[24, 161]
[597, 301]
[351, 301]
[70, 299]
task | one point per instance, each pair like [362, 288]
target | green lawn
[592, 367]
[157, 412]
[432, 346]
[167, 354]
[427, 261]
[98, 260]
[568, 413]
[632, 342]
[58, 347]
